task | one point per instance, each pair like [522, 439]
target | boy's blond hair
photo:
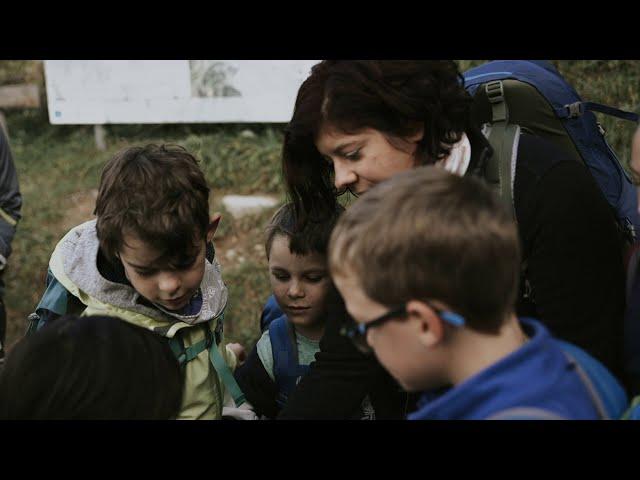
[429, 234]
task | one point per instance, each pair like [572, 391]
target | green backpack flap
[211, 343]
[55, 302]
[507, 108]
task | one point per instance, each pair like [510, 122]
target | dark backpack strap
[270, 312]
[574, 110]
[285, 357]
[286, 368]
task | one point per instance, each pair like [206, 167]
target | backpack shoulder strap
[221, 367]
[284, 349]
[270, 312]
[577, 109]
[591, 389]
[525, 413]
[210, 343]
[611, 393]
[504, 139]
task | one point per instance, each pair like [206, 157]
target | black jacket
[573, 253]
[341, 377]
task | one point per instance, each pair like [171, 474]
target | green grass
[56, 162]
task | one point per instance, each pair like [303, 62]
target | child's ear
[213, 226]
[430, 327]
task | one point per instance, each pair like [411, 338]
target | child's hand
[241, 354]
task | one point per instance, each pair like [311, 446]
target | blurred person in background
[10, 206]
[634, 164]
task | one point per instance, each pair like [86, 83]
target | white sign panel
[173, 91]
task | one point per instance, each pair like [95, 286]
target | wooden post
[3, 125]
[100, 134]
[19, 96]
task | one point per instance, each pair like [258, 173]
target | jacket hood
[78, 252]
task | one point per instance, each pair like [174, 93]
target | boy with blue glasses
[428, 265]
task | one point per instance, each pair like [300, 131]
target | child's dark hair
[313, 237]
[91, 368]
[157, 193]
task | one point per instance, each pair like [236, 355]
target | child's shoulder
[78, 235]
[74, 250]
[265, 353]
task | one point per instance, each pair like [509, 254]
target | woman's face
[366, 158]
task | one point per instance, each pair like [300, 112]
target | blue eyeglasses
[357, 332]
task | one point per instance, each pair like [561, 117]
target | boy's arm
[10, 199]
[257, 386]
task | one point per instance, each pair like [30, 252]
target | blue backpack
[512, 87]
[286, 367]
[512, 96]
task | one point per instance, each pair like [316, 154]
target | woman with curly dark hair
[357, 123]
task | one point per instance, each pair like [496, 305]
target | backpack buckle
[574, 109]
[495, 94]
[630, 230]
[495, 91]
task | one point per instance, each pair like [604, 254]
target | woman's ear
[430, 326]
[213, 226]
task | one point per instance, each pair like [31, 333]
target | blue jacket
[538, 375]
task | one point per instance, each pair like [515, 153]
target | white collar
[458, 160]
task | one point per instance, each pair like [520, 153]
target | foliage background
[59, 168]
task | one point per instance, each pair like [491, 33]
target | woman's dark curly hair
[395, 97]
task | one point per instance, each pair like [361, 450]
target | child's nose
[169, 283]
[295, 290]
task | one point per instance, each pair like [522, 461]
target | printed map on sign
[98, 92]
